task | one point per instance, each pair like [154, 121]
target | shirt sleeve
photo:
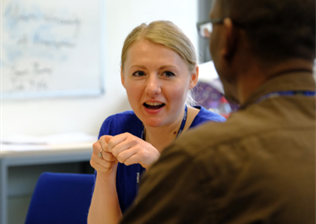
[170, 192]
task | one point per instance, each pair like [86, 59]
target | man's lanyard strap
[286, 93]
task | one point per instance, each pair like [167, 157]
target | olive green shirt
[257, 167]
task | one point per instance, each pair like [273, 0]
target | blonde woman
[158, 70]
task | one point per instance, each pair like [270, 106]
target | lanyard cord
[286, 93]
[181, 127]
[140, 169]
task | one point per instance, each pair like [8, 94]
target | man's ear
[122, 77]
[194, 77]
[230, 38]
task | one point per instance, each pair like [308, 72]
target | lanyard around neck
[182, 123]
[286, 93]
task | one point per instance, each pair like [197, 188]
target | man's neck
[257, 75]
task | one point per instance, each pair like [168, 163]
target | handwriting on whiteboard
[34, 32]
[50, 48]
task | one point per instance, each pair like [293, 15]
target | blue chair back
[61, 198]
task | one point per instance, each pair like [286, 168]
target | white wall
[53, 116]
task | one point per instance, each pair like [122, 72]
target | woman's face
[157, 81]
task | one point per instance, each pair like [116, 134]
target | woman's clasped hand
[124, 148]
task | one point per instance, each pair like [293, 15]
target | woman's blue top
[127, 177]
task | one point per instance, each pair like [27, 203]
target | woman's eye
[139, 73]
[168, 74]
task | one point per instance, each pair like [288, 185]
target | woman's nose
[153, 86]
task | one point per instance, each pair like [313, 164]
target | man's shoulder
[213, 133]
[252, 124]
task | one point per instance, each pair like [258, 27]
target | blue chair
[61, 198]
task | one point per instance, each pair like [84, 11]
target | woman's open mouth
[153, 105]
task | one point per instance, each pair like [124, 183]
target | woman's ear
[122, 77]
[194, 77]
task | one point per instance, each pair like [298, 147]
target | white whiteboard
[50, 48]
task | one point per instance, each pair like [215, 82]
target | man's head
[272, 31]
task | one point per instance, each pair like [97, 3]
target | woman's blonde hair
[167, 34]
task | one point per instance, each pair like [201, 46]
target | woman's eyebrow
[160, 68]
[138, 66]
[168, 66]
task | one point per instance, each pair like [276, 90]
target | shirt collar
[298, 81]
